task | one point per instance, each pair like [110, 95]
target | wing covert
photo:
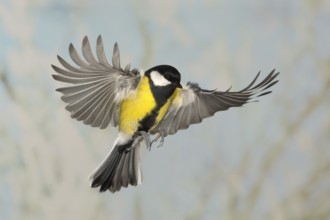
[96, 87]
[193, 103]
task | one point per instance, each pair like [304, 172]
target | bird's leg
[146, 138]
[161, 135]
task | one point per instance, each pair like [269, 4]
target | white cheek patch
[158, 79]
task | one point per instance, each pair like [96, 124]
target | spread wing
[193, 104]
[95, 88]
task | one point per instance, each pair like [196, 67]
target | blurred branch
[305, 194]
[7, 86]
[310, 204]
[270, 157]
[275, 151]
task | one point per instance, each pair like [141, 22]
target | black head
[164, 75]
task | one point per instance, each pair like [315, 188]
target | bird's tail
[120, 168]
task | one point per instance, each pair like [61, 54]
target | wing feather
[115, 57]
[85, 103]
[95, 87]
[69, 66]
[87, 52]
[193, 103]
[100, 52]
[76, 57]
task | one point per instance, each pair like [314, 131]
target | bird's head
[164, 75]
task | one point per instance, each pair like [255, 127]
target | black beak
[178, 85]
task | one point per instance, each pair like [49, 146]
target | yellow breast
[136, 107]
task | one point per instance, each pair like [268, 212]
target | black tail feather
[119, 169]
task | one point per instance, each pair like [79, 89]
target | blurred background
[266, 160]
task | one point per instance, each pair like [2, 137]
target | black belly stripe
[147, 122]
[161, 95]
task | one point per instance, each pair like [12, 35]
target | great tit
[140, 103]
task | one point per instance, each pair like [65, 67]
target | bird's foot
[146, 138]
[161, 135]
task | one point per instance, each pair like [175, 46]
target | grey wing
[96, 87]
[193, 104]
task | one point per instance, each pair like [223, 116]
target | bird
[142, 104]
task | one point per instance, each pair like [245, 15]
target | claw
[156, 138]
[161, 143]
[149, 143]
[161, 135]
[146, 138]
